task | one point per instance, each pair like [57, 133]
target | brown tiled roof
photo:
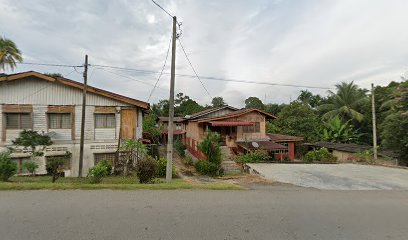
[237, 113]
[282, 137]
[197, 114]
[78, 85]
[175, 119]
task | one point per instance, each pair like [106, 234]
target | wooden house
[53, 105]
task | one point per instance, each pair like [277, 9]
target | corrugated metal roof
[282, 137]
[230, 123]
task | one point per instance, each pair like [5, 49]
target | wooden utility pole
[81, 144]
[171, 105]
[374, 122]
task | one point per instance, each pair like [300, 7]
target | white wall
[37, 91]
[89, 122]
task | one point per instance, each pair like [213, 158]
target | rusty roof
[237, 113]
[274, 137]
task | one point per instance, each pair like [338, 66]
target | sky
[311, 43]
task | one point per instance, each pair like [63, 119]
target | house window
[18, 121]
[255, 128]
[59, 120]
[110, 157]
[105, 120]
[65, 158]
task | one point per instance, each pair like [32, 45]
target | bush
[253, 157]
[180, 148]
[161, 169]
[107, 164]
[207, 168]
[53, 167]
[31, 166]
[321, 155]
[188, 160]
[210, 146]
[146, 169]
[100, 170]
[7, 167]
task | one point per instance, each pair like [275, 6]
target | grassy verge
[114, 183]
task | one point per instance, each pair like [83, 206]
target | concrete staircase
[228, 161]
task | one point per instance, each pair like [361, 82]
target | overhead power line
[50, 64]
[179, 75]
[191, 65]
[213, 78]
[161, 73]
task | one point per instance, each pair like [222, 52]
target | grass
[114, 183]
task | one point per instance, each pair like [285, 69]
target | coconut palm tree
[345, 102]
[9, 54]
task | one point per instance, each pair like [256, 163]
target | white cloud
[318, 43]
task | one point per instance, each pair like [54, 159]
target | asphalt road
[277, 212]
[336, 176]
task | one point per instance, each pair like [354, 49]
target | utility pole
[374, 122]
[171, 105]
[81, 144]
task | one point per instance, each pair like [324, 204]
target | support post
[374, 122]
[81, 144]
[171, 106]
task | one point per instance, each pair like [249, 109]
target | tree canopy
[9, 54]
[254, 102]
[218, 102]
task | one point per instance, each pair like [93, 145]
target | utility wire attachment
[161, 73]
[191, 65]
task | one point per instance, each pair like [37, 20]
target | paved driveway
[336, 176]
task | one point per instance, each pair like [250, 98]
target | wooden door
[128, 123]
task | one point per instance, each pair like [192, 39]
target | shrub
[321, 155]
[180, 148]
[210, 146]
[207, 168]
[161, 169]
[189, 160]
[97, 172]
[7, 167]
[53, 167]
[31, 166]
[146, 169]
[107, 164]
[253, 157]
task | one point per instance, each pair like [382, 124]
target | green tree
[7, 166]
[31, 166]
[274, 108]
[394, 134]
[271, 127]
[9, 54]
[299, 119]
[218, 102]
[334, 130]
[210, 146]
[345, 103]
[309, 98]
[134, 151]
[254, 102]
[33, 139]
[161, 108]
[54, 166]
[150, 126]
